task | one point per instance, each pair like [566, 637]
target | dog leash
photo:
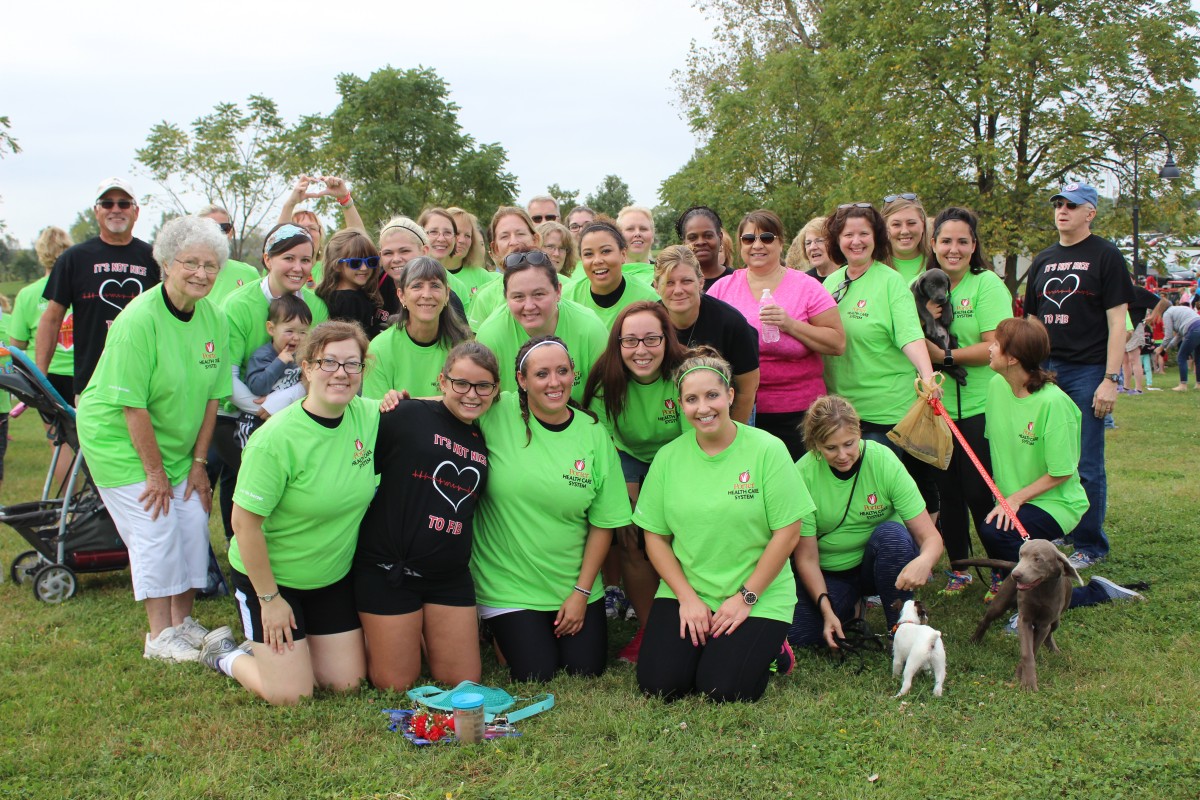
[940, 410]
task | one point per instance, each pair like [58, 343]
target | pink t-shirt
[791, 376]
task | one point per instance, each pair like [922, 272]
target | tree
[234, 157]
[610, 196]
[84, 227]
[567, 198]
[396, 136]
[7, 142]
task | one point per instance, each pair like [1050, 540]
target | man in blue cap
[1080, 290]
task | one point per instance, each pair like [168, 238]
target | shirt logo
[965, 302]
[474, 289]
[871, 498]
[1029, 427]
[580, 464]
[209, 347]
[669, 404]
[358, 445]
[744, 477]
[240, 282]
[861, 304]
[578, 476]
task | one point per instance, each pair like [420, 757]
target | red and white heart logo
[580, 464]
[744, 477]
[871, 498]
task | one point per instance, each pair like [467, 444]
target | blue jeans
[1191, 342]
[1079, 381]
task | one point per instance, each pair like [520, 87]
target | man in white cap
[96, 279]
[1080, 290]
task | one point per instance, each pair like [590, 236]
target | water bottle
[770, 333]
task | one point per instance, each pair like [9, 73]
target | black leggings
[785, 426]
[963, 494]
[733, 667]
[534, 653]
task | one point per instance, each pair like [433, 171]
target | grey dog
[934, 285]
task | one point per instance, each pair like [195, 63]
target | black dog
[933, 285]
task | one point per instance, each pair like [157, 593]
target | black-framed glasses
[1058, 202]
[192, 266]
[575, 227]
[540, 218]
[891, 198]
[226, 227]
[534, 257]
[841, 290]
[370, 262]
[108, 205]
[332, 365]
[765, 238]
[653, 340]
[844, 206]
[460, 386]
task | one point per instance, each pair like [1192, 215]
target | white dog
[916, 646]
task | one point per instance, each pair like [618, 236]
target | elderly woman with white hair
[145, 421]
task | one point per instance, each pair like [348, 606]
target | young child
[273, 366]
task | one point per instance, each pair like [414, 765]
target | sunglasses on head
[844, 206]
[534, 257]
[226, 227]
[370, 262]
[124, 205]
[539, 218]
[1058, 202]
[765, 238]
[891, 198]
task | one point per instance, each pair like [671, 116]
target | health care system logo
[670, 414]
[744, 488]
[873, 509]
[362, 456]
[1028, 436]
[210, 359]
[577, 475]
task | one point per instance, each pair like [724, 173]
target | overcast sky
[83, 84]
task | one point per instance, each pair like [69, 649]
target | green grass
[83, 715]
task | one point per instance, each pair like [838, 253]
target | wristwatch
[948, 361]
[266, 598]
[1115, 377]
[750, 597]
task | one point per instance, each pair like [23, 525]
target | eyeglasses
[841, 290]
[534, 257]
[124, 205]
[482, 388]
[844, 206]
[765, 238]
[370, 262]
[811, 242]
[575, 227]
[1058, 203]
[332, 364]
[192, 266]
[630, 342]
[539, 218]
[226, 227]
[891, 198]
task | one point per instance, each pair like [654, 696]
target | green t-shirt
[883, 492]
[980, 302]
[246, 308]
[5, 364]
[468, 282]
[23, 324]
[639, 271]
[880, 317]
[650, 419]
[313, 485]
[581, 292]
[568, 280]
[720, 511]
[1034, 436]
[400, 363]
[909, 268]
[487, 300]
[532, 523]
[317, 272]
[584, 335]
[155, 361]
[231, 276]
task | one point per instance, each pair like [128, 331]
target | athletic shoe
[1153, 389]
[958, 582]
[192, 632]
[1081, 560]
[614, 602]
[217, 644]
[1060, 542]
[785, 661]
[247, 647]
[992, 591]
[1116, 591]
[629, 653]
[170, 647]
[874, 602]
[630, 614]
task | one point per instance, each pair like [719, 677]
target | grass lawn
[83, 715]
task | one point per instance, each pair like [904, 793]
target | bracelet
[345, 201]
[203, 461]
[583, 591]
[826, 596]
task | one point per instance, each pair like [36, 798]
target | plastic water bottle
[770, 333]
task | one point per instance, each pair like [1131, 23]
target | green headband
[724, 380]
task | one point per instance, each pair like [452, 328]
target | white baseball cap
[115, 183]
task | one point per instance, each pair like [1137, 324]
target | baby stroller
[72, 531]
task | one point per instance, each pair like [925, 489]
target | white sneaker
[170, 647]
[191, 632]
[1115, 591]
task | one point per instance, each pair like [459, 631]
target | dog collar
[901, 622]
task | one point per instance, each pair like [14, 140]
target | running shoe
[958, 581]
[629, 653]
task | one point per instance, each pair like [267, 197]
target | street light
[1168, 172]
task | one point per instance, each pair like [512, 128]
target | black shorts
[64, 385]
[375, 594]
[318, 612]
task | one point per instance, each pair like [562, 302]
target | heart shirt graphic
[1059, 287]
[118, 293]
[455, 484]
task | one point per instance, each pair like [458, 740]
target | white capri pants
[168, 555]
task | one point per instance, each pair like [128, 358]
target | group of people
[450, 427]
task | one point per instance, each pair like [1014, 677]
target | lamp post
[1168, 172]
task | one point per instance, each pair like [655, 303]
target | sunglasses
[370, 262]
[124, 205]
[226, 227]
[841, 290]
[844, 206]
[534, 257]
[539, 218]
[1060, 203]
[891, 198]
[765, 238]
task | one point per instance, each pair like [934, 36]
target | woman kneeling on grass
[306, 479]
[721, 507]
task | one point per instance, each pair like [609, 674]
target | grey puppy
[1039, 585]
[933, 285]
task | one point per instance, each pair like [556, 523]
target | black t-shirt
[96, 281]
[1141, 304]
[433, 469]
[708, 282]
[1070, 288]
[353, 305]
[722, 326]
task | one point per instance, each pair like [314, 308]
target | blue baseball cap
[1078, 193]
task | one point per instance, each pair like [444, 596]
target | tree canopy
[610, 196]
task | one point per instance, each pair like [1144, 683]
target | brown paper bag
[922, 433]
